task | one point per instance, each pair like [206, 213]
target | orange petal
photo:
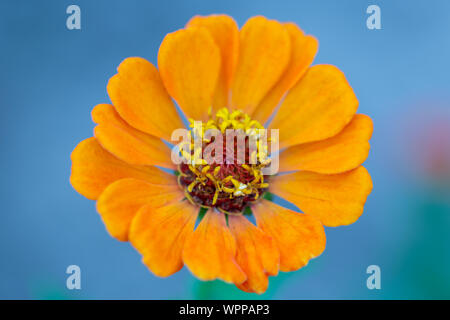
[120, 201]
[141, 99]
[345, 151]
[318, 107]
[299, 237]
[94, 168]
[127, 143]
[209, 251]
[303, 50]
[257, 254]
[336, 199]
[264, 53]
[225, 33]
[189, 63]
[160, 234]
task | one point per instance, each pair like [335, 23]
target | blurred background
[51, 78]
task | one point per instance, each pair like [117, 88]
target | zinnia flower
[199, 217]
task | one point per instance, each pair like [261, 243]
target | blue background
[51, 77]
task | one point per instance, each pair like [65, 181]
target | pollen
[223, 162]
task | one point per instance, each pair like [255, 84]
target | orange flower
[227, 78]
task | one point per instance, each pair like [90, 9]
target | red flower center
[229, 174]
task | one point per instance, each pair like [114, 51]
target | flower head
[225, 79]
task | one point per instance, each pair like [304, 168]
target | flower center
[223, 162]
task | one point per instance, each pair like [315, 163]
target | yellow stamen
[205, 173]
[192, 185]
[216, 195]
